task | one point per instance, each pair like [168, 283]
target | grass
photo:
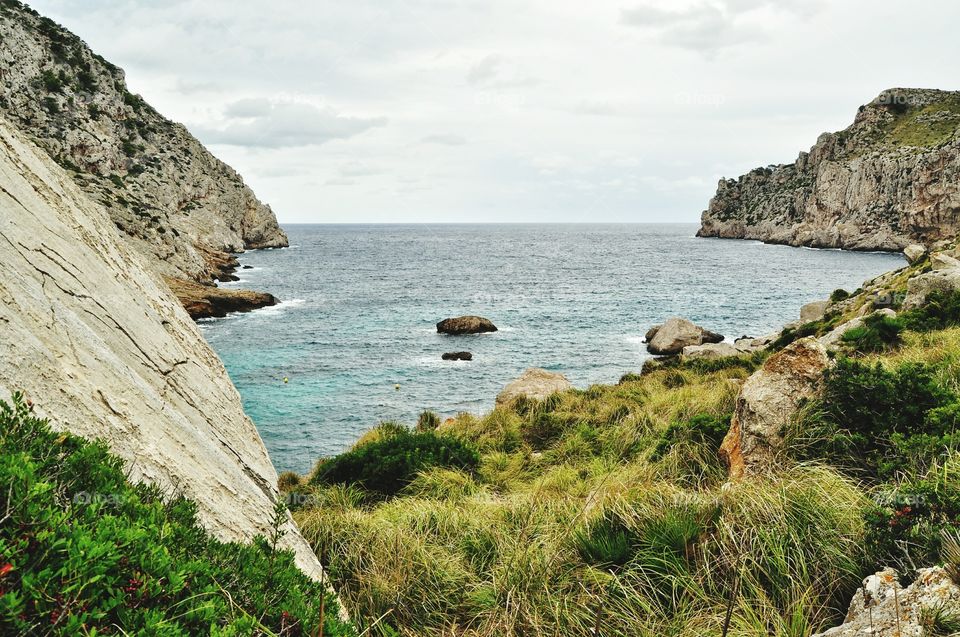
[925, 127]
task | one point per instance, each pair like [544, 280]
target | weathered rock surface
[206, 301]
[914, 252]
[176, 204]
[941, 261]
[834, 337]
[749, 344]
[889, 180]
[882, 607]
[534, 383]
[457, 356]
[710, 351]
[677, 333]
[766, 404]
[813, 311]
[465, 325]
[104, 349]
[923, 285]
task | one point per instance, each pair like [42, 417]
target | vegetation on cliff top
[84, 552]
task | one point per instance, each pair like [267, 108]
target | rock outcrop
[457, 356]
[834, 337]
[207, 301]
[104, 350]
[766, 404]
[914, 252]
[813, 311]
[534, 383]
[465, 325]
[923, 285]
[882, 607]
[889, 180]
[676, 333]
[710, 351]
[176, 204]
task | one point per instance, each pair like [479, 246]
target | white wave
[282, 306]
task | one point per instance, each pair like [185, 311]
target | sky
[511, 110]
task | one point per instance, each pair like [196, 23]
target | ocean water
[360, 304]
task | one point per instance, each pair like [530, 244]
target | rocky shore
[890, 179]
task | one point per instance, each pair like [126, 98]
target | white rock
[102, 347]
[813, 311]
[914, 252]
[710, 351]
[534, 383]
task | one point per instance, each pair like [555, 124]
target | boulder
[710, 351]
[457, 356]
[534, 383]
[914, 252]
[813, 311]
[942, 261]
[465, 325]
[748, 345]
[920, 287]
[766, 404]
[677, 333]
[834, 337]
[882, 607]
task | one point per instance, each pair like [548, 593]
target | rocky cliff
[890, 179]
[104, 349]
[176, 204]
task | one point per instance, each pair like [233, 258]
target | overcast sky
[510, 110]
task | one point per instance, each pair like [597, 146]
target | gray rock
[767, 403]
[677, 333]
[465, 325]
[921, 286]
[914, 252]
[859, 189]
[943, 261]
[710, 351]
[747, 344]
[104, 350]
[834, 337]
[882, 607]
[813, 311]
[534, 383]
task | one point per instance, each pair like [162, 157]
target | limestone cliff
[177, 204]
[104, 349]
[890, 179]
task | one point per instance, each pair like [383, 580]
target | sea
[353, 341]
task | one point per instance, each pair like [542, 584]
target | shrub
[84, 551]
[387, 465]
[428, 421]
[51, 81]
[812, 328]
[867, 417]
[940, 311]
[839, 295]
[701, 429]
[287, 481]
[878, 333]
[605, 542]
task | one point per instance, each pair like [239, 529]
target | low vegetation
[608, 506]
[84, 552]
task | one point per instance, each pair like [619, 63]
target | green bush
[812, 328]
[839, 295]
[868, 418]
[84, 552]
[878, 333]
[701, 429]
[387, 465]
[605, 542]
[428, 421]
[940, 311]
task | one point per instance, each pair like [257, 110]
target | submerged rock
[534, 383]
[677, 333]
[882, 607]
[465, 325]
[767, 402]
[206, 301]
[457, 356]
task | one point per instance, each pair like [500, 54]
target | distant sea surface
[360, 304]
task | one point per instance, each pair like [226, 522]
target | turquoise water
[360, 304]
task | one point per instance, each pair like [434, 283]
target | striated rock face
[102, 347]
[177, 204]
[534, 383]
[465, 325]
[889, 180]
[767, 402]
[882, 607]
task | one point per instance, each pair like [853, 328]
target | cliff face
[175, 202]
[890, 179]
[104, 349]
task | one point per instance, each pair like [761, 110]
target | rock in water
[206, 301]
[882, 607]
[465, 325]
[534, 383]
[889, 180]
[677, 333]
[457, 356]
[766, 404]
[105, 351]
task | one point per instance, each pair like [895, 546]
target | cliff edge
[890, 179]
[100, 344]
[176, 204]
